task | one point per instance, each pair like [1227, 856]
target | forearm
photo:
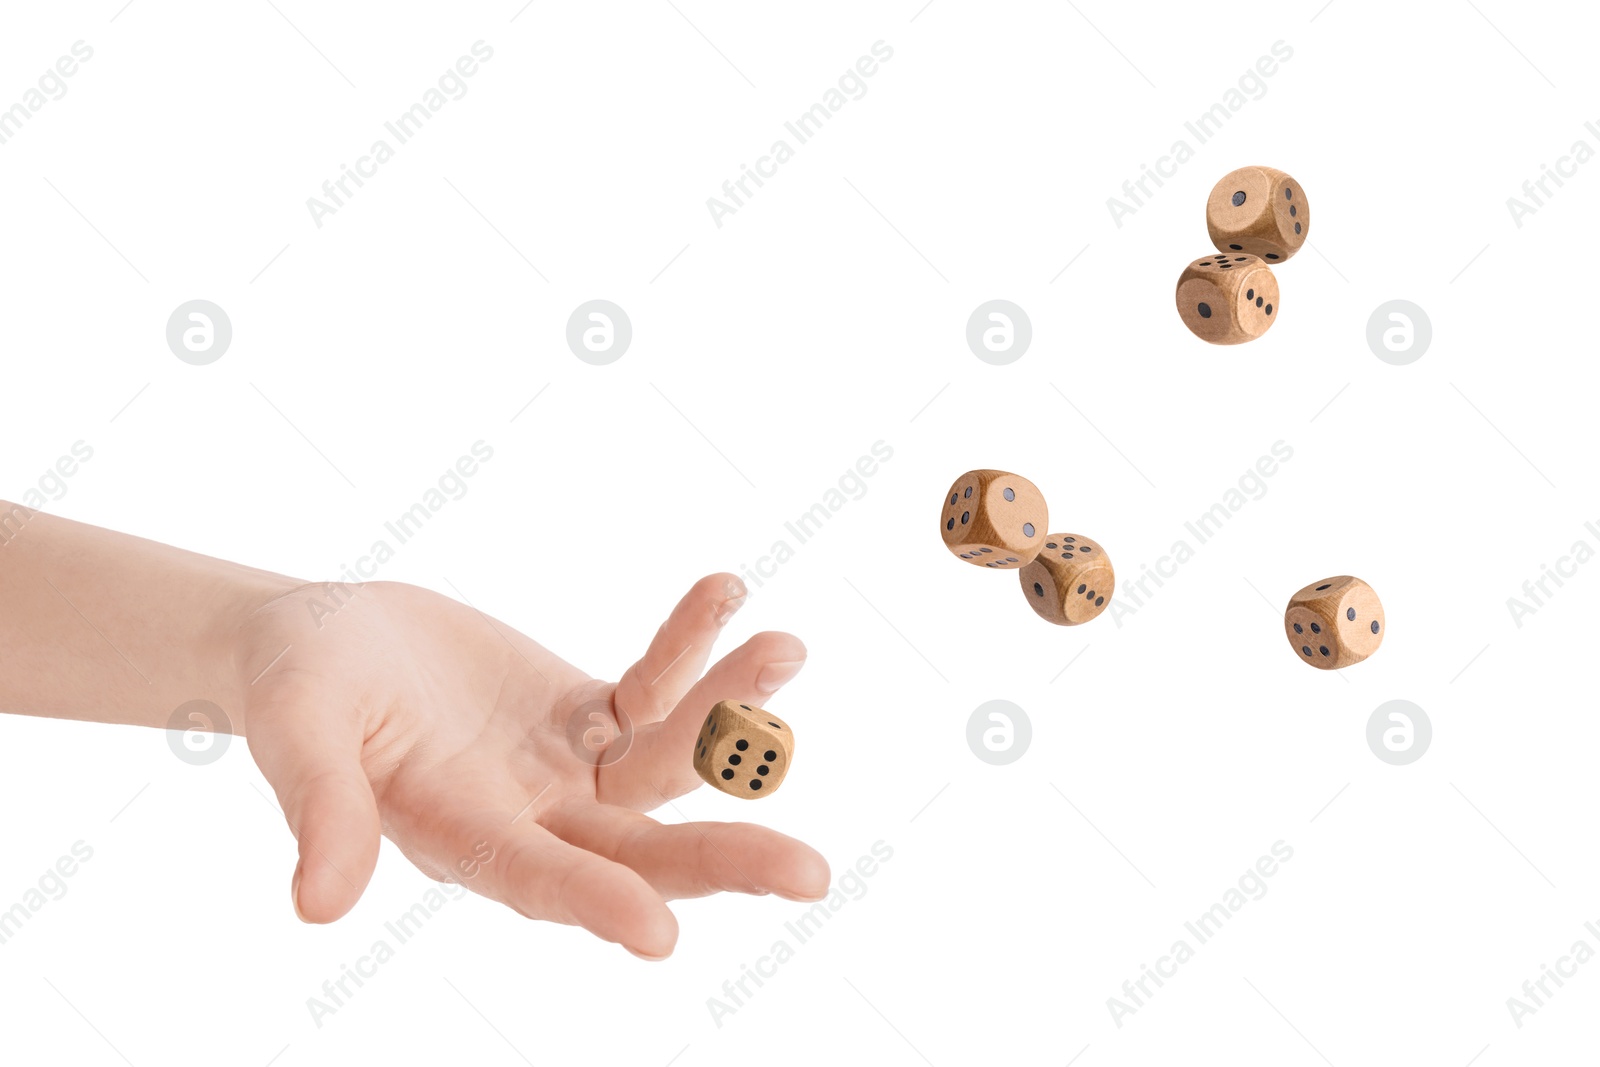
[106, 627]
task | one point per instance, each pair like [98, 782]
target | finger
[678, 653]
[313, 763]
[697, 859]
[658, 766]
[544, 877]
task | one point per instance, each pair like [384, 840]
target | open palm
[492, 762]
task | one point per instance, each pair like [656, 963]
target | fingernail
[642, 956]
[803, 898]
[735, 589]
[725, 612]
[294, 896]
[774, 676]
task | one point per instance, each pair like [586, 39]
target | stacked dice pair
[997, 520]
[1256, 217]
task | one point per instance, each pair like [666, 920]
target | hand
[408, 712]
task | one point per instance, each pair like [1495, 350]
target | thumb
[314, 766]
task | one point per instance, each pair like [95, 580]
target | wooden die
[1260, 211]
[993, 519]
[1070, 581]
[1335, 622]
[1228, 299]
[743, 750]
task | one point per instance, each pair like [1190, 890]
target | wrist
[231, 651]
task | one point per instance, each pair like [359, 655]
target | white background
[827, 314]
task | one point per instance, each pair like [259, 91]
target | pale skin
[407, 713]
